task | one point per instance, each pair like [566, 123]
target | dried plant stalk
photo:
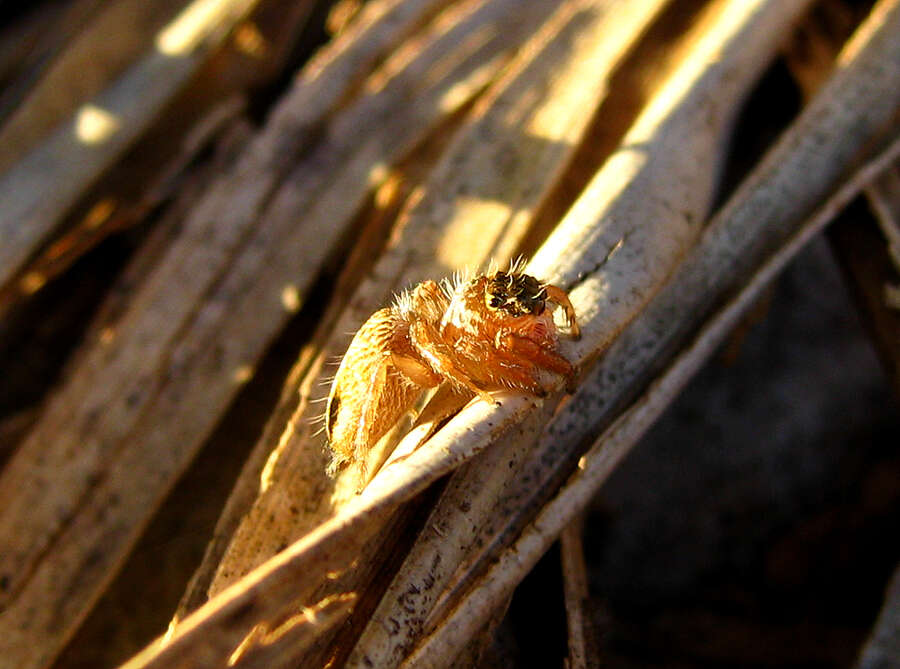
[144, 396]
[41, 187]
[268, 645]
[885, 198]
[582, 651]
[151, 171]
[729, 248]
[94, 45]
[597, 464]
[807, 163]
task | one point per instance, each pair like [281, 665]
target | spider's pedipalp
[560, 297]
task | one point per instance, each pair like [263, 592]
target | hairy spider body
[485, 334]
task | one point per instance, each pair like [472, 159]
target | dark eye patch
[516, 294]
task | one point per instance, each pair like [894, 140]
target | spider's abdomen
[368, 394]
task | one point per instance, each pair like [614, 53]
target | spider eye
[496, 302]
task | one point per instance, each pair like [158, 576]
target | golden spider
[485, 334]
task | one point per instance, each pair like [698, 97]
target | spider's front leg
[529, 353]
[443, 359]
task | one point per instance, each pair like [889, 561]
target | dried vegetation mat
[224, 185]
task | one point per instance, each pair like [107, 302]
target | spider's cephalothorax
[485, 334]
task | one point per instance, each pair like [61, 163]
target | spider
[484, 334]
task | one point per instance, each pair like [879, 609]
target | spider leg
[558, 295]
[429, 301]
[387, 397]
[439, 357]
[451, 371]
[517, 378]
[415, 370]
[518, 372]
[367, 426]
[524, 348]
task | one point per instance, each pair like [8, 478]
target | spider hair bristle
[455, 281]
[403, 301]
[318, 401]
[517, 264]
[448, 285]
[315, 420]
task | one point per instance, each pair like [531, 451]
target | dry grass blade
[108, 216]
[583, 653]
[144, 396]
[268, 645]
[93, 43]
[884, 196]
[808, 163]
[41, 187]
[613, 445]
[728, 249]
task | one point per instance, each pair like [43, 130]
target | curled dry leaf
[639, 228]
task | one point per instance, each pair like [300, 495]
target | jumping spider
[485, 334]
